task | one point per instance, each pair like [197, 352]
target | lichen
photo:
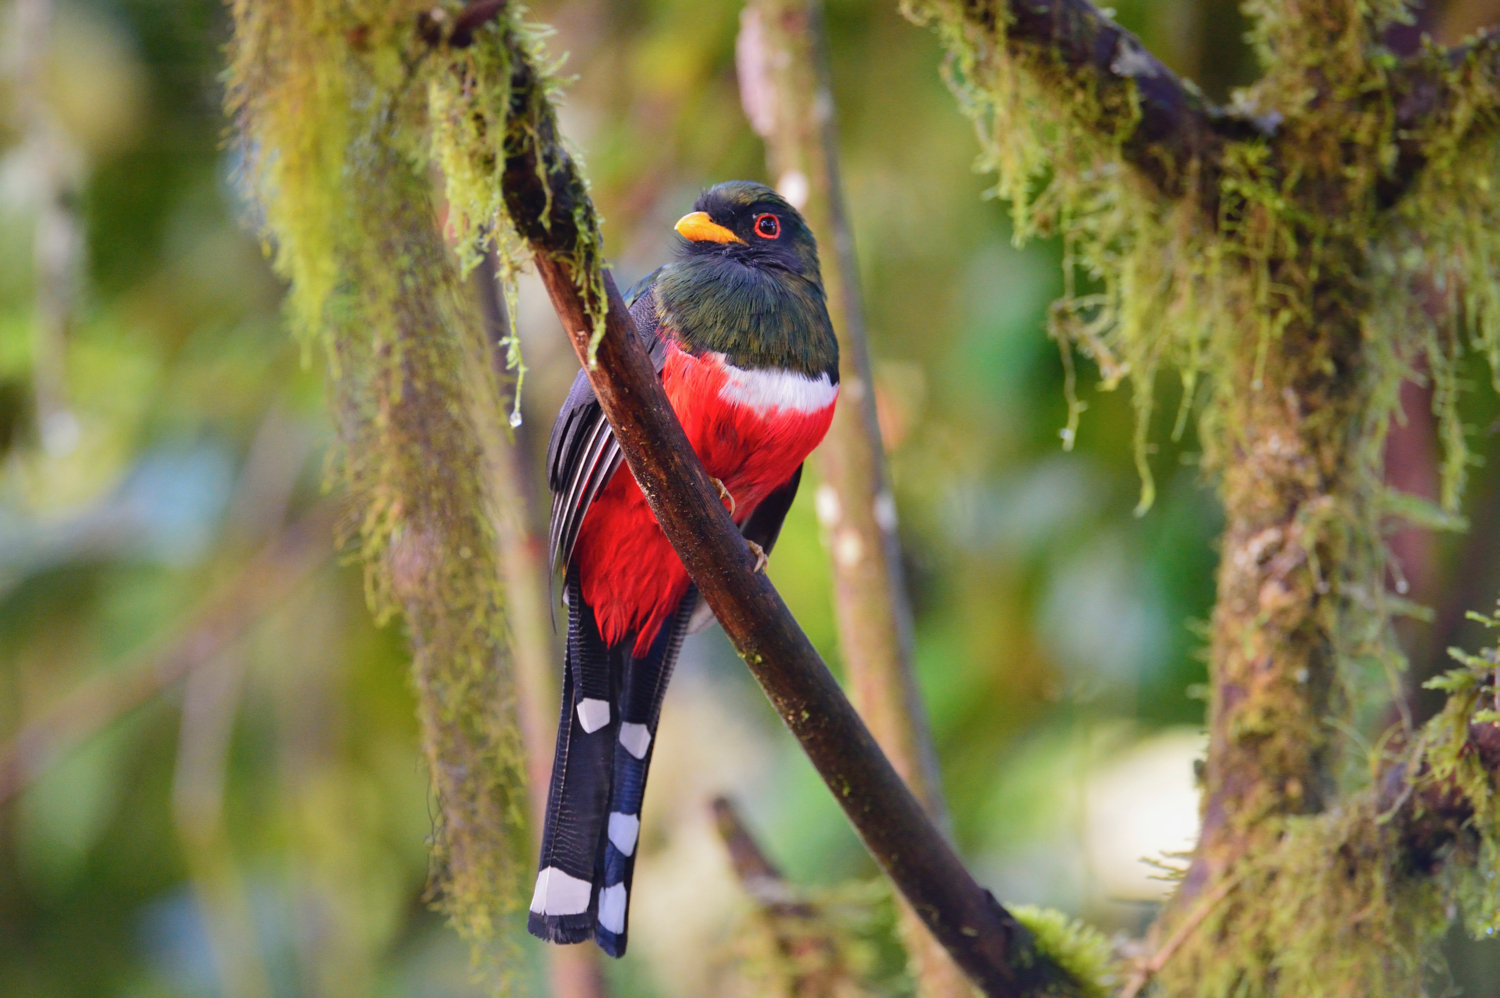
[331, 101]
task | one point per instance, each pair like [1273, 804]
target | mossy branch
[1162, 125]
[547, 203]
[1353, 901]
[1441, 97]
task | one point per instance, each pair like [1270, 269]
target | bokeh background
[206, 747]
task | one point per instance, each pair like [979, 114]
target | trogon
[737, 328]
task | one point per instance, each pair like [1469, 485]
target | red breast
[750, 428]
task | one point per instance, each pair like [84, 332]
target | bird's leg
[760, 555]
[725, 495]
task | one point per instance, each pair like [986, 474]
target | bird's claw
[725, 495]
[761, 558]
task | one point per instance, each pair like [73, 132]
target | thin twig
[1180, 935]
[814, 962]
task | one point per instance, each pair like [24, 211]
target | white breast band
[771, 388]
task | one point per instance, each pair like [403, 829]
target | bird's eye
[767, 226]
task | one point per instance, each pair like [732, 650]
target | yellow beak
[698, 227]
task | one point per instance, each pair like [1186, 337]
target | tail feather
[564, 906]
[611, 704]
[643, 686]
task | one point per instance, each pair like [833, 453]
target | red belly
[629, 572]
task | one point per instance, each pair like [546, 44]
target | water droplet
[515, 419]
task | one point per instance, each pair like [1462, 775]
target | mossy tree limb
[787, 91]
[1165, 129]
[1270, 257]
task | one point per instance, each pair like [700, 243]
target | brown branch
[1177, 126]
[220, 620]
[985, 940]
[757, 874]
[815, 964]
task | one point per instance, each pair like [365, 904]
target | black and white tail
[611, 704]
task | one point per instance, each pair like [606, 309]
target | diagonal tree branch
[547, 202]
[1176, 125]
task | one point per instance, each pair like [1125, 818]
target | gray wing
[582, 454]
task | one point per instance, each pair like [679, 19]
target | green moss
[492, 111]
[1179, 290]
[1345, 904]
[333, 107]
[1079, 949]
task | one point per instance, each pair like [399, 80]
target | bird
[738, 331]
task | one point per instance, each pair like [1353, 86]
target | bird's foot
[725, 495]
[761, 558]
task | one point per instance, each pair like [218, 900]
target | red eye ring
[771, 231]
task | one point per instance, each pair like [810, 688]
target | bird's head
[746, 283]
[751, 224]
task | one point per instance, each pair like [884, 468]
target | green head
[746, 283]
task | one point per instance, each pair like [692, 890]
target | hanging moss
[332, 102]
[511, 182]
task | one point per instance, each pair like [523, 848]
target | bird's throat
[757, 317]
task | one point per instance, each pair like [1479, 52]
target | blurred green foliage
[1054, 629]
